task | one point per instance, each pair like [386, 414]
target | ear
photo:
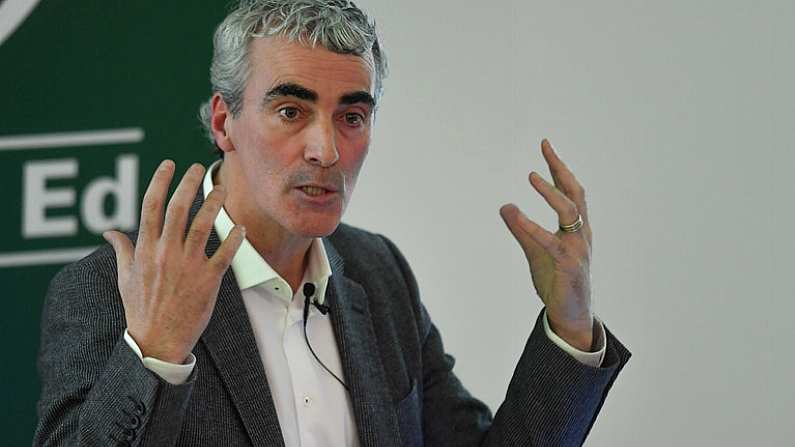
[219, 122]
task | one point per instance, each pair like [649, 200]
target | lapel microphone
[309, 290]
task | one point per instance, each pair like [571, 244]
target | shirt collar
[251, 269]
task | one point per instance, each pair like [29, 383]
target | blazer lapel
[229, 339]
[376, 419]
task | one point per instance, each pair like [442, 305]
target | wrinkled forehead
[275, 60]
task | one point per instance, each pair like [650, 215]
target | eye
[354, 119]
[289, 113]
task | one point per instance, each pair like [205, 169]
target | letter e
[37, 198]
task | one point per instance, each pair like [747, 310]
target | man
[247, 314]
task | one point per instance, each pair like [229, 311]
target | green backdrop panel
[95, 94]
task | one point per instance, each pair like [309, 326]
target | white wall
[678, 119]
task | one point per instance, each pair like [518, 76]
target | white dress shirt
[313, 408]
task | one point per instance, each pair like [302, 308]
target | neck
[285, 252]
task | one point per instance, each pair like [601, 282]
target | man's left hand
[559, 262]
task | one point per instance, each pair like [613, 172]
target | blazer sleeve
[95, 391]
[552, 398]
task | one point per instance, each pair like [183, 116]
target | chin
[315, 227]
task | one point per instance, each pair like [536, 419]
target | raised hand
[168, 285]
[559, 262]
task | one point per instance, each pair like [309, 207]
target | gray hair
[337, 25]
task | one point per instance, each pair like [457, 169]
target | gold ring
[573, 227]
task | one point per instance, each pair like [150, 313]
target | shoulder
[98, 266]
[356, 243]
[86, 290]
[375, 262]
[367, 253]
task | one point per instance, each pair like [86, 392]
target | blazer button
[129, 435]
[140, 409]
[135, 422]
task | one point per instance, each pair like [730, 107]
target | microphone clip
[324, 309]
[309, 290]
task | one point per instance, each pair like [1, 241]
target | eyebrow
[357, 97]
[301, 92]
[290, 89]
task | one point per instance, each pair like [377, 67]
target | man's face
[305, 123]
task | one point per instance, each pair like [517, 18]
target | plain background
[677, 117]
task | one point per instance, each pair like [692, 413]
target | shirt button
[307, 401]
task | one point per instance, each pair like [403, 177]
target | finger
[564, 179]
[152, 205]
[222, 258]
[203, 222]
[123, 248]
[566, 209]
[180, 203]
[531, 237]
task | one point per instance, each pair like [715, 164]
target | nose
[321, 145]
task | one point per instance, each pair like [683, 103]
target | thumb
[123, 248]
[510, 215]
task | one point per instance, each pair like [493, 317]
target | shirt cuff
[593, 359]
[170, 372]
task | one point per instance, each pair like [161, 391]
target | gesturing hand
[559, 262]
[168, 285]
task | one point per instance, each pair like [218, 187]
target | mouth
[317, 195]
[315, 191]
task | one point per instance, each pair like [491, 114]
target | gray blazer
[96, 392]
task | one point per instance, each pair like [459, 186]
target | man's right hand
[168, 285]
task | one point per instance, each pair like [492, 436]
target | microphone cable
[309, 290]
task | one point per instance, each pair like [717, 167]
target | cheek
[264, 176]
[358, 143]
[262, 152]
[354, 159]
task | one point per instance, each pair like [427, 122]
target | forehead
[275, 60]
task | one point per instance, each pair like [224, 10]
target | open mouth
[314, 191]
